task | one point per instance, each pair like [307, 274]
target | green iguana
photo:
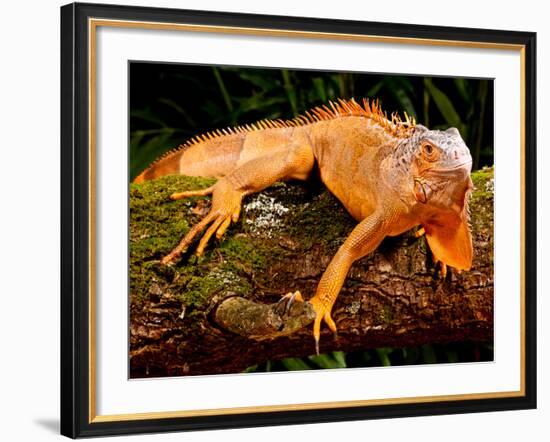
[390, 174]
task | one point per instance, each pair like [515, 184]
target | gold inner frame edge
[92, 28]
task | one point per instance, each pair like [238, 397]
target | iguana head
[440, 169]
[438, 165]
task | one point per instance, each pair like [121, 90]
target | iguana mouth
[450, 169]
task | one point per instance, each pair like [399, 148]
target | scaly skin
[390, 175]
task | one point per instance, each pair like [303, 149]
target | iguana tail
[207, 157]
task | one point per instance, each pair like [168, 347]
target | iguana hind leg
[226, 207]
[227, 194]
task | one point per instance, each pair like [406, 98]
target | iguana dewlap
[391, 175]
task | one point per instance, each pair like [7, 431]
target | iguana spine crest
[341, 108]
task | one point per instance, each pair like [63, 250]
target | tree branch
[220, 313]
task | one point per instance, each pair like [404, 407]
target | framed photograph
[275, 220]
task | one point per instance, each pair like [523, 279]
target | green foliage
[333, 360]
[387, 356]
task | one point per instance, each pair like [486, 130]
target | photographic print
[287, 220]
[309, 220]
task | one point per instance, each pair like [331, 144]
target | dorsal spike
[328, 110]
[314, 116]
[366, 105]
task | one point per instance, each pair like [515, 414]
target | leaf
[340, 357]
[265, 83]
[383, 355]
[405, 102]
[295, 364]
[367, 357]
[223, 89]
[373, 91]
[290, 91]
[329, 360]
[405, 84]
[452, 356]
[145, 153]
[147, 115]
[428, 354]
[319, 85]
[444, 104]
[398, 89]
[180, 110]
[257, 102]
[463, 88]
[411, 355]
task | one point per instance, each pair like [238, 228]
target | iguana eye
[429, 151]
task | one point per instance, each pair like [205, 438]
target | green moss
[157, 224]
[482, 205]
[483, 183]
[243, 250]
[249, 257]
[481, 200]
[155, 220]
[322, 219]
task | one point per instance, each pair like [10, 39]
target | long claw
[287, 300]
[330, 322]
[186, 241]
[420, 232]
[206, 237]
[317, 333]
[235, 214]
[221, 230]
[322, 310]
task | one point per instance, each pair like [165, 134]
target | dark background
[170, 103]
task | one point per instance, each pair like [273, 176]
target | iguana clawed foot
[226, 207]
[322, 310]
[285, 303]
[322, 307]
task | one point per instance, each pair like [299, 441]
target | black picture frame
[76, 418]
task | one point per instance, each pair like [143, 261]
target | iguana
[390, 174]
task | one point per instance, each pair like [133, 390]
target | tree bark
[220, 313]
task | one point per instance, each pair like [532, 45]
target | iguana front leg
[296, 162]
[366, 236]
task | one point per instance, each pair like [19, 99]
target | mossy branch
[220, 313]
